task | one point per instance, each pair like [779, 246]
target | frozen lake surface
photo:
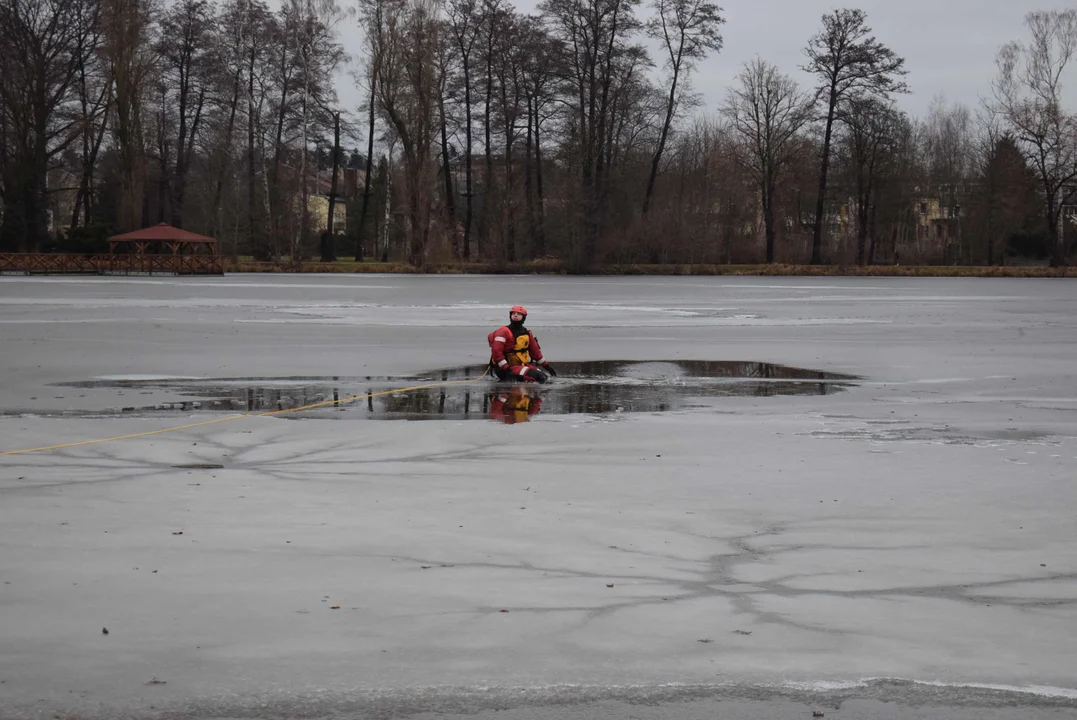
[746, 498]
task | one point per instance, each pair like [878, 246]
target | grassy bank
[553, 267]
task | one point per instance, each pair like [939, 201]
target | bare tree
[1028, 95]
[184, 44]
[284, 76]
[444, 57]
[494, 16]
[594, 34]
[509, 74]
[1004, 197]
[159, 109]
[465, 28]
[406, 87]
[688, 30]
[328, 247]
[766, 111]
[236, 36]
[263, 45]
[540, 64]
[871, 128]
[846, 60]
[43, 45]
[95, 100]
[369, 169]
[128, 25]
[319, 55]
[372, 18]
[948, 136]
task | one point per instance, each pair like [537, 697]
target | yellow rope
[247, 415]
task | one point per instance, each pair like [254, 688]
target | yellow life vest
[520, 354]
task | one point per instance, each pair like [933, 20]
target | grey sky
[949, 45]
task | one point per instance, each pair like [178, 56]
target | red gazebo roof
[163, 232]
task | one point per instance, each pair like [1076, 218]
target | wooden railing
[73, 264]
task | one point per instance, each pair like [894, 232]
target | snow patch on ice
[825, 686]
[1041, 690]
[138, 377]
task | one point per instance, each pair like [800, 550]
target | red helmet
[518, 309]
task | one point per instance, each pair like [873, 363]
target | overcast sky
[949, 46]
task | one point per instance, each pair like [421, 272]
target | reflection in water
[592, 388]
[515, 404]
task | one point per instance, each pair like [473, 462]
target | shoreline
[881, 697]
[561, 269]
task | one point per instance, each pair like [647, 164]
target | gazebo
[162, 239]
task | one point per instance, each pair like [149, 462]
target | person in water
[515, 353]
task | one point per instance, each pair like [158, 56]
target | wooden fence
[72, 264]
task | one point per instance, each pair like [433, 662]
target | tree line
[497, 136]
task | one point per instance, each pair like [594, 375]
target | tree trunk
[300, 237]
[329, 253]
[39, 224]
[670, 104]
[540, 226]
[175, 216]
[85, 191]
[183, 160]
[132, 173]
[730, 228]
[488, 176]
[252, 239]
[861, 220]
[529, 199]
[510, 208]
[820, 203]
[388, 210]
[874, 232]
[218, 189]
[163, 190]
[416, 217]
[470, 187]
[600, 180]
[1058, 252]
[768, 217]
[990, 225]
[87, 136]
[367, 179]
[87, 133]
[127, 75]
[278, 151]
[450, 200]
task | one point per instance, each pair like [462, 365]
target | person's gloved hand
[549, 368]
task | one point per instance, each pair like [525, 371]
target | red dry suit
[511, 353]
